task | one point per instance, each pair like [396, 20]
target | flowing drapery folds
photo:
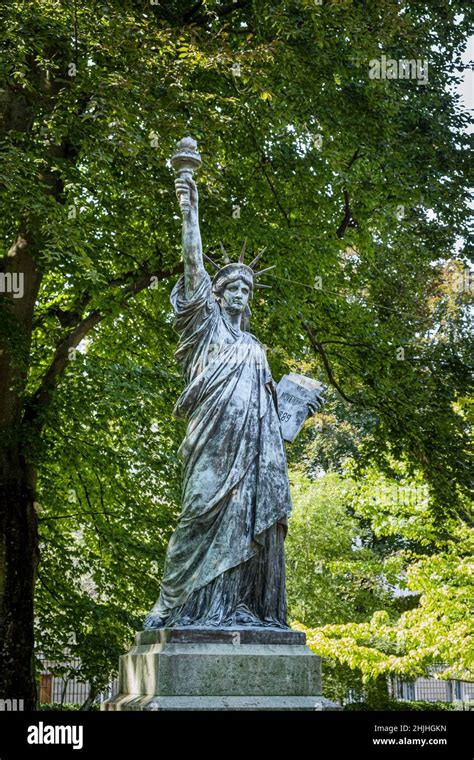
[226, 553]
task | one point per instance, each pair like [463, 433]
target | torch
[185, 161]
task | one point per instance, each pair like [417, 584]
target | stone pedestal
[219, 669]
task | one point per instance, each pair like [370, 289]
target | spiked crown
[237, 270]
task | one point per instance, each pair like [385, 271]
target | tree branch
[348, 220]
[42, 396]
[318, 347]
[346, 343]
[231, 7]
[275, 195]
[73, 315]
[66, 317]
[354, 158]
[224, 10]
[192, 11]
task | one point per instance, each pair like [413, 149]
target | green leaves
[304, 144]
[379, 637]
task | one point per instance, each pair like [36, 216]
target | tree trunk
[19, 556]
[19, 552]
[19, 438]
[86, 705]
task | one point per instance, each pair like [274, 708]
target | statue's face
[235, 296]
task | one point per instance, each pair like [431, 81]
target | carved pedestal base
[219, 669]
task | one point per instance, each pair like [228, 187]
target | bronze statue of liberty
[225, 564]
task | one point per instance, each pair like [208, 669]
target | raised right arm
[191, 237]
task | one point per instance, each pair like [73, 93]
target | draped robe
[225, 559]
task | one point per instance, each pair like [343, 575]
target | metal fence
[67, 689]
[70, 690]
[432, 690]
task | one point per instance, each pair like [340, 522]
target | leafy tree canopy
[357, 187]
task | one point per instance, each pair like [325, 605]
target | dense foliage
[357, 187]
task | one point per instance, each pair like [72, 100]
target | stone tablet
[299, 397]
